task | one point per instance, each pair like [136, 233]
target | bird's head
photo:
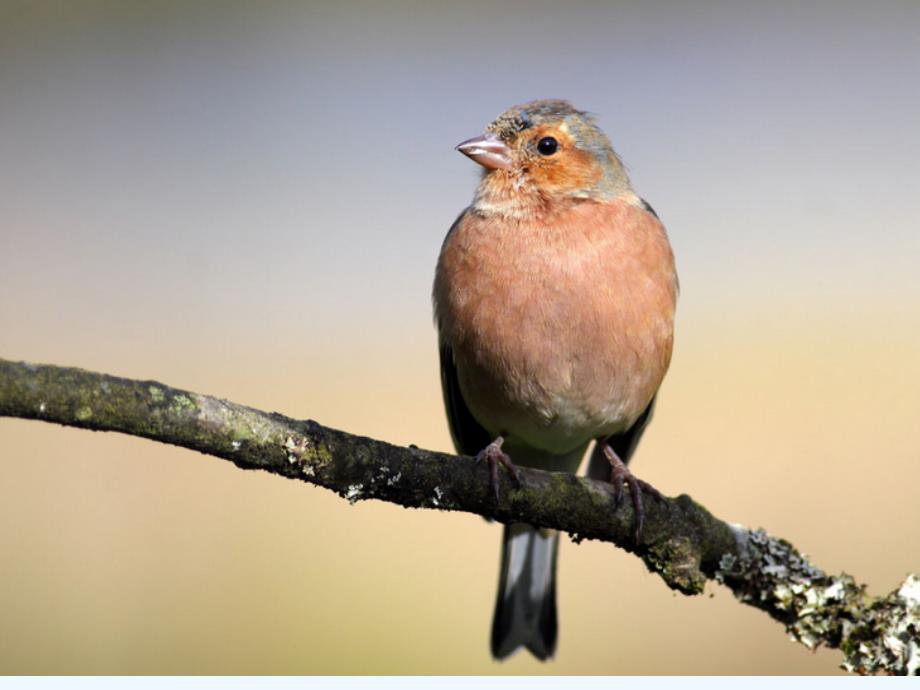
[541, 154]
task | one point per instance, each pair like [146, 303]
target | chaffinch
[554, 299]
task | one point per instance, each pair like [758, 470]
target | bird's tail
[525, 609]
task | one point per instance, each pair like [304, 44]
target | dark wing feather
[624, 445]
[648, 207]
[468, 435]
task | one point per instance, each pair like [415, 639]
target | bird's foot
[619, 475]
[494, 455]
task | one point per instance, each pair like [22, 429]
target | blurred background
[248, 201]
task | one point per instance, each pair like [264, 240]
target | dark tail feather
[525, 609]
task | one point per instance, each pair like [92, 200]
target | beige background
[249, 203]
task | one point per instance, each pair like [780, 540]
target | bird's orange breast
[561, 325]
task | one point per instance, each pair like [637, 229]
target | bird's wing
[469, 436]
[648, 207]
[624, 445]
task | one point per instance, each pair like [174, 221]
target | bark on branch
[682, 542]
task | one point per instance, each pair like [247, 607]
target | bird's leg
[620, 474]
[494, 455]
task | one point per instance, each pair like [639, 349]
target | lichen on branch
[681, 541]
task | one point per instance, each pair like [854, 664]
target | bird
[554, 299]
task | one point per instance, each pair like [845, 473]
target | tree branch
[681, 541]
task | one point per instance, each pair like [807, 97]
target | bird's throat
[509, 195]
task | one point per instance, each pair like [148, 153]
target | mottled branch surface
[682, 542]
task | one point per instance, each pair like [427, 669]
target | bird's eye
[547, 146]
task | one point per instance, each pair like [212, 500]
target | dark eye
[547, 146]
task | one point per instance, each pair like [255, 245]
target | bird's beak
[488, 150]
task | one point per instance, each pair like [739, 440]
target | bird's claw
[494, 455]
[620, 475]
